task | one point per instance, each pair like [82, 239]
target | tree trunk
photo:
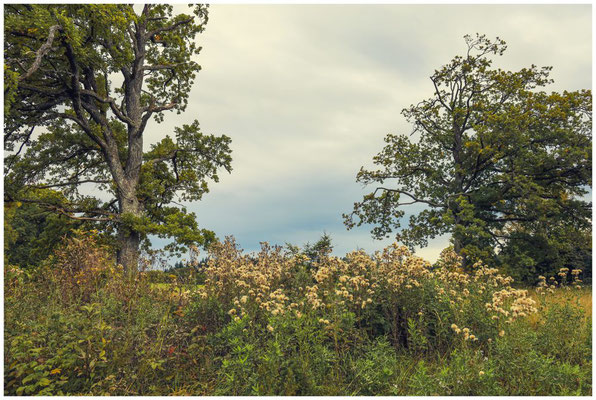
[458, 240]
[128, 252]
[129, 240]
[457, 245]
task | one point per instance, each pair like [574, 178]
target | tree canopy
[32, 233]
[82, 84]
[490, 156]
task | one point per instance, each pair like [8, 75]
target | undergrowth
[279, 323]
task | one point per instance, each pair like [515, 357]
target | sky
[308, 92]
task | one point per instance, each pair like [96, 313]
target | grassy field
[580, 297]
[278, 325]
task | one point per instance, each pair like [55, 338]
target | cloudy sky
[308, 92]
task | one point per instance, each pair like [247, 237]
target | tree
[82, 83]
[314, 251]
[488, 152]
[543, 248]
[32, 233]
[321, 247]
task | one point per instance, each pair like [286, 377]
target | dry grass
[581, 297]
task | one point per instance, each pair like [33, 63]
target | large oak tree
[491, 155]
[82, 84]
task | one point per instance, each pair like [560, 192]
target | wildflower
[481, 373]
[270, 328]
[502, 333]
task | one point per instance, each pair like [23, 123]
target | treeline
[32, 235]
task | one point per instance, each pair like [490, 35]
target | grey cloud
[307, 93]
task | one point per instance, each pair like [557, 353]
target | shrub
[392, 293]
[81, 266]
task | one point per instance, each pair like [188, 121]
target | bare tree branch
[70, 183]
[41, 53]
[70, 212]
[416, 199]
[170, 27]
[112, 104]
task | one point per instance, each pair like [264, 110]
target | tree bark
[128, 253]
[129, 239]
[459, 187]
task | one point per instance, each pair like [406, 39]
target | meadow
[281, 323]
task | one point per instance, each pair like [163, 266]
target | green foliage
[79, 326]
[314, 252]
[493, 160]
[33, 233]
[321, 247]
[545, 247]
[92, 77]
[376, 370]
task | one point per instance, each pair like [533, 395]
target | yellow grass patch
[581, 297]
